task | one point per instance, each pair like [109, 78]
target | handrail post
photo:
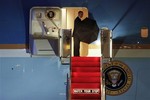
[106, 52]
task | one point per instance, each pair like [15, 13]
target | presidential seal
[118, 77]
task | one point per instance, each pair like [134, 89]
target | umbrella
[88, 31]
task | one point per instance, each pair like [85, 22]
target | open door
[68, 16]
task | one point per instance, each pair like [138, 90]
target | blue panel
[24, 78]
[12, 22]
[140, 86]
[32, 79]
[0, 79]
[124, 17]
[143, 82]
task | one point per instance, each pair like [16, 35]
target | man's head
[80, 14]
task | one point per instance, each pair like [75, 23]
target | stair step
[85, 69]
[85, 85]
[85, 74]
[86, 96]
[85, 80]
[85, 99]
[85, 64]
[86, 59]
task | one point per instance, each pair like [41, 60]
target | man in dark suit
[77, 23]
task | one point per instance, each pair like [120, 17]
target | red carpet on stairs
[85, 78]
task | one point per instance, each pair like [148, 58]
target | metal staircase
[86, 80]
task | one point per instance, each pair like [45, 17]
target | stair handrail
[106, 52]
[67, 87]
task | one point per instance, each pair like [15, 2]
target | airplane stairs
[85, 78]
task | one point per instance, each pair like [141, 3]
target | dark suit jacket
[77, 24]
